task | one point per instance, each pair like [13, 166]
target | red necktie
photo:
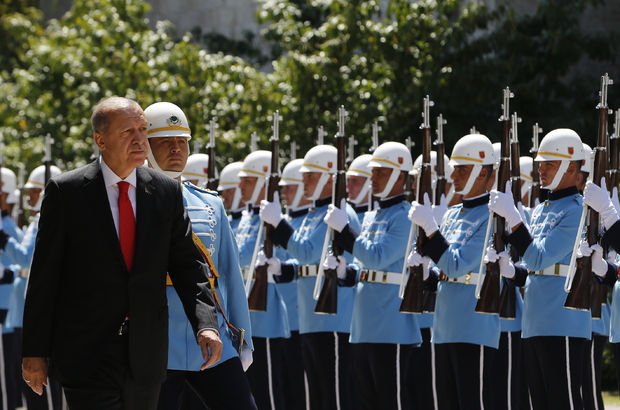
[126, 224]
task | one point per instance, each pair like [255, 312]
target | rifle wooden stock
[413, 296]
[257, 299]
[489, 300]
[327, 303]
[580, 293]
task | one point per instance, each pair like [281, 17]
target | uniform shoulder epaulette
[199, 189]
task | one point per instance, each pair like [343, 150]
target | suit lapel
[97, 195]
[144, 204]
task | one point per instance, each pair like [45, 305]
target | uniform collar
[562, 193]
[477, 201]
[297, 213]
[386, 203]
[253, 209]
[322, 202]
[361, 208]
[236, 215]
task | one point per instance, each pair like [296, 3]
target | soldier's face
[355, 184]
[288, 193]
[310, 181]
[33, 196]
[460, 175]
[247, 185]
[547, 171]
[123, 144]
[227, 196]
[170, 152]
[380, 177]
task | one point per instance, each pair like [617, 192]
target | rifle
[579, 278]
[211, 173]
[409, 188]
[293, 150]
[488, 293]
[47, 159]
[21, 213]
[507, 296]
[412, 292]
[614, 152]
[351, 149]
[257, 299]
[429, 296]
[327, 298]
[535, 193]
[320, 136]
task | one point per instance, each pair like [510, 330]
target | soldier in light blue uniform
[358, 185]
[465, 341]
[169, 133]
[231, 194]
[382, 338]
[324, 338]
[297, 207]
[269, 328]
[555, 338]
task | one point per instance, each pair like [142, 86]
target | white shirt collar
[110, 178]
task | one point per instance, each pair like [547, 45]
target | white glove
[598, 199]
[246, 359]
[599, 265]
[274, 266]
[440, 210]
[337, 263]
[522, 211]
[614, 199]
[423, 216]
[271, 212]
[503, 205]
[506, 267]
[612, 256]
[415, 259]
[337, 218]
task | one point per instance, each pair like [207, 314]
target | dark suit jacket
[80, 291]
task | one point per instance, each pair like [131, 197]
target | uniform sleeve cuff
[288, 273]
[611, 237]
[4, 238]
[611, 276]
[346, 238]
[430, 284]
[520, 239]
[282, 234]
[434, 247]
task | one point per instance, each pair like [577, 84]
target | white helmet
[36, 179]
[165, 120]
[472, 149]
[292, 176]
[417, 165]
[497, 153]
[526, 165]
[391, 155]
[9, 181]
[13, 197]
[256, 164]
[229, 178]
[563, 145]
[322, 159]
[196, 169]
[588, 162]
[359, 168]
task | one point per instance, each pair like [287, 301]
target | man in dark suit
[96, 306]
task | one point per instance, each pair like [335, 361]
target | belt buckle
[556, 269]
[373, 277]
[384, 279]
[468, 278]
[364, 276]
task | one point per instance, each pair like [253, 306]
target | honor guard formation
[463, 279]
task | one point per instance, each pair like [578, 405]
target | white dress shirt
[111, 180]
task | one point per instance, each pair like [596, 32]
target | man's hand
[502, 204]
[423, 216]
[34, 373]
[210, 346]
[271, 212]
[337, 218]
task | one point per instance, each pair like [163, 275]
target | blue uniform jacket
[209, 222]
[456, 251]
[274, 321]
[381, 245]
[549, 241]
[305, 244]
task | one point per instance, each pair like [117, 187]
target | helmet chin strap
[390, 183]
[298, 195]
[319, 187]
[155, 166]
[475, 172]
[558, 176]
[363, 195]
[260, 182]
[236, 201]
